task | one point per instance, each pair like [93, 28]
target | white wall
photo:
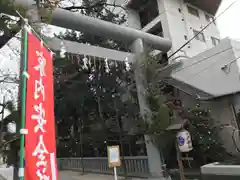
[214, 71]
[182, 23]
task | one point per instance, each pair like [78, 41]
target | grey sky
[228, 23]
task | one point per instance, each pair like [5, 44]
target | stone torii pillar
[135, 39]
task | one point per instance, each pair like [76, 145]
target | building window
[157, 30]
[208, 18]
[193, 11]
[215, 41]
[148, 11]
[199, 36]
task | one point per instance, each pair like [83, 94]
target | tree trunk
[15, 172]
[34, 18]
[81, 144]
[119, 121]
[15, 156]
[2, 124]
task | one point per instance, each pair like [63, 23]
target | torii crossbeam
[79, 22]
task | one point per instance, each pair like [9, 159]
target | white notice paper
[114, 155]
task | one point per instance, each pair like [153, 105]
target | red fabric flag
[40, 142]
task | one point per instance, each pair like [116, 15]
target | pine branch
[9, 80]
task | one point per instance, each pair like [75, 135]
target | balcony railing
[135, 166]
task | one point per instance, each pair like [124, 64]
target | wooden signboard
[114, 159]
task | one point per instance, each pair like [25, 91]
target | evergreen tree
[207, 142]
[90, 99]
[167, 109]
[89, 92]
[9, 26]
[9, 132]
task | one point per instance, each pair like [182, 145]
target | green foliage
[8, 7]
[90, 99]
[9, 25]
[46, 15]
[100, 10]
[90, 102]
[161, 116]
[207, 142]
[9, 140]
[205, 135]
[97, 9]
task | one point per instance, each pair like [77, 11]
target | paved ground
[7, 173]
[69, 175]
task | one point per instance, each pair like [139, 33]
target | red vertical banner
[40, 141]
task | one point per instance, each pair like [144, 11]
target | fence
[135, 166]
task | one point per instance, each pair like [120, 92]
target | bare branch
[9, 78]
[93, 6]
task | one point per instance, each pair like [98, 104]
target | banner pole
[23, 89]
[115, 173]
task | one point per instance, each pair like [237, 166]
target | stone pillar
[154, 158]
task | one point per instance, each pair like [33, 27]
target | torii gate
[135, 39]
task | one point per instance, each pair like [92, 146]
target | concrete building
[209, 74]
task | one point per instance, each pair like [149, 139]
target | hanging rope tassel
[107, 69]
[127, 65]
